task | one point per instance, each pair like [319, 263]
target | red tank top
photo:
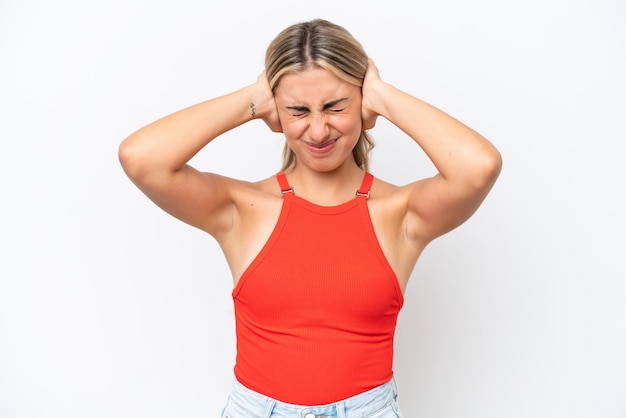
[316, 310]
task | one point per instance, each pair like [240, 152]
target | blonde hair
[322, 44]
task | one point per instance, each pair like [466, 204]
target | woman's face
[320, 115]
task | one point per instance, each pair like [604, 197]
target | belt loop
[341, 410]
[394, 387]
[269, 408]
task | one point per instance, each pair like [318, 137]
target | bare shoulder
[391, 205]
[239, 188]
[388, 205]
[389, 197]
[243, 191]
[223, 201]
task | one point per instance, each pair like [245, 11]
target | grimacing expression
[320, 115]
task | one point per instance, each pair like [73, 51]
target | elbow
[489, 168]
[493, 163]
[130, 159]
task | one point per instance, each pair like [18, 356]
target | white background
[111, 308]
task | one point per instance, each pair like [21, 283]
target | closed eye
[333, 106]
[297, 110]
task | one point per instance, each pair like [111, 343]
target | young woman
[321, 253]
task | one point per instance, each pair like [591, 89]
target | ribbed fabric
[316, 310]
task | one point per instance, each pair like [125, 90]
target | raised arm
[467, 164]
[155, 157]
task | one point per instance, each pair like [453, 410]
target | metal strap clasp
[289, 190]
[366, 195]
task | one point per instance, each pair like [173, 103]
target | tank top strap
[284, 184]
[364, 190]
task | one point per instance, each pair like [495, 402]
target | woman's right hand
[265, 105]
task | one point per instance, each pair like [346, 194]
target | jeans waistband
[363, 404]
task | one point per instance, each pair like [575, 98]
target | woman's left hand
[368, 114]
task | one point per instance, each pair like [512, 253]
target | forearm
[458, 152]
[167, 144]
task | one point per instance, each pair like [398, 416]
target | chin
[325, 165]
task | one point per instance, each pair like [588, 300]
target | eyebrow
[326, 106]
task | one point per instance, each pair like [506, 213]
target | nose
[318, 127]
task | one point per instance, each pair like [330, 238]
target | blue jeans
[380, 402]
